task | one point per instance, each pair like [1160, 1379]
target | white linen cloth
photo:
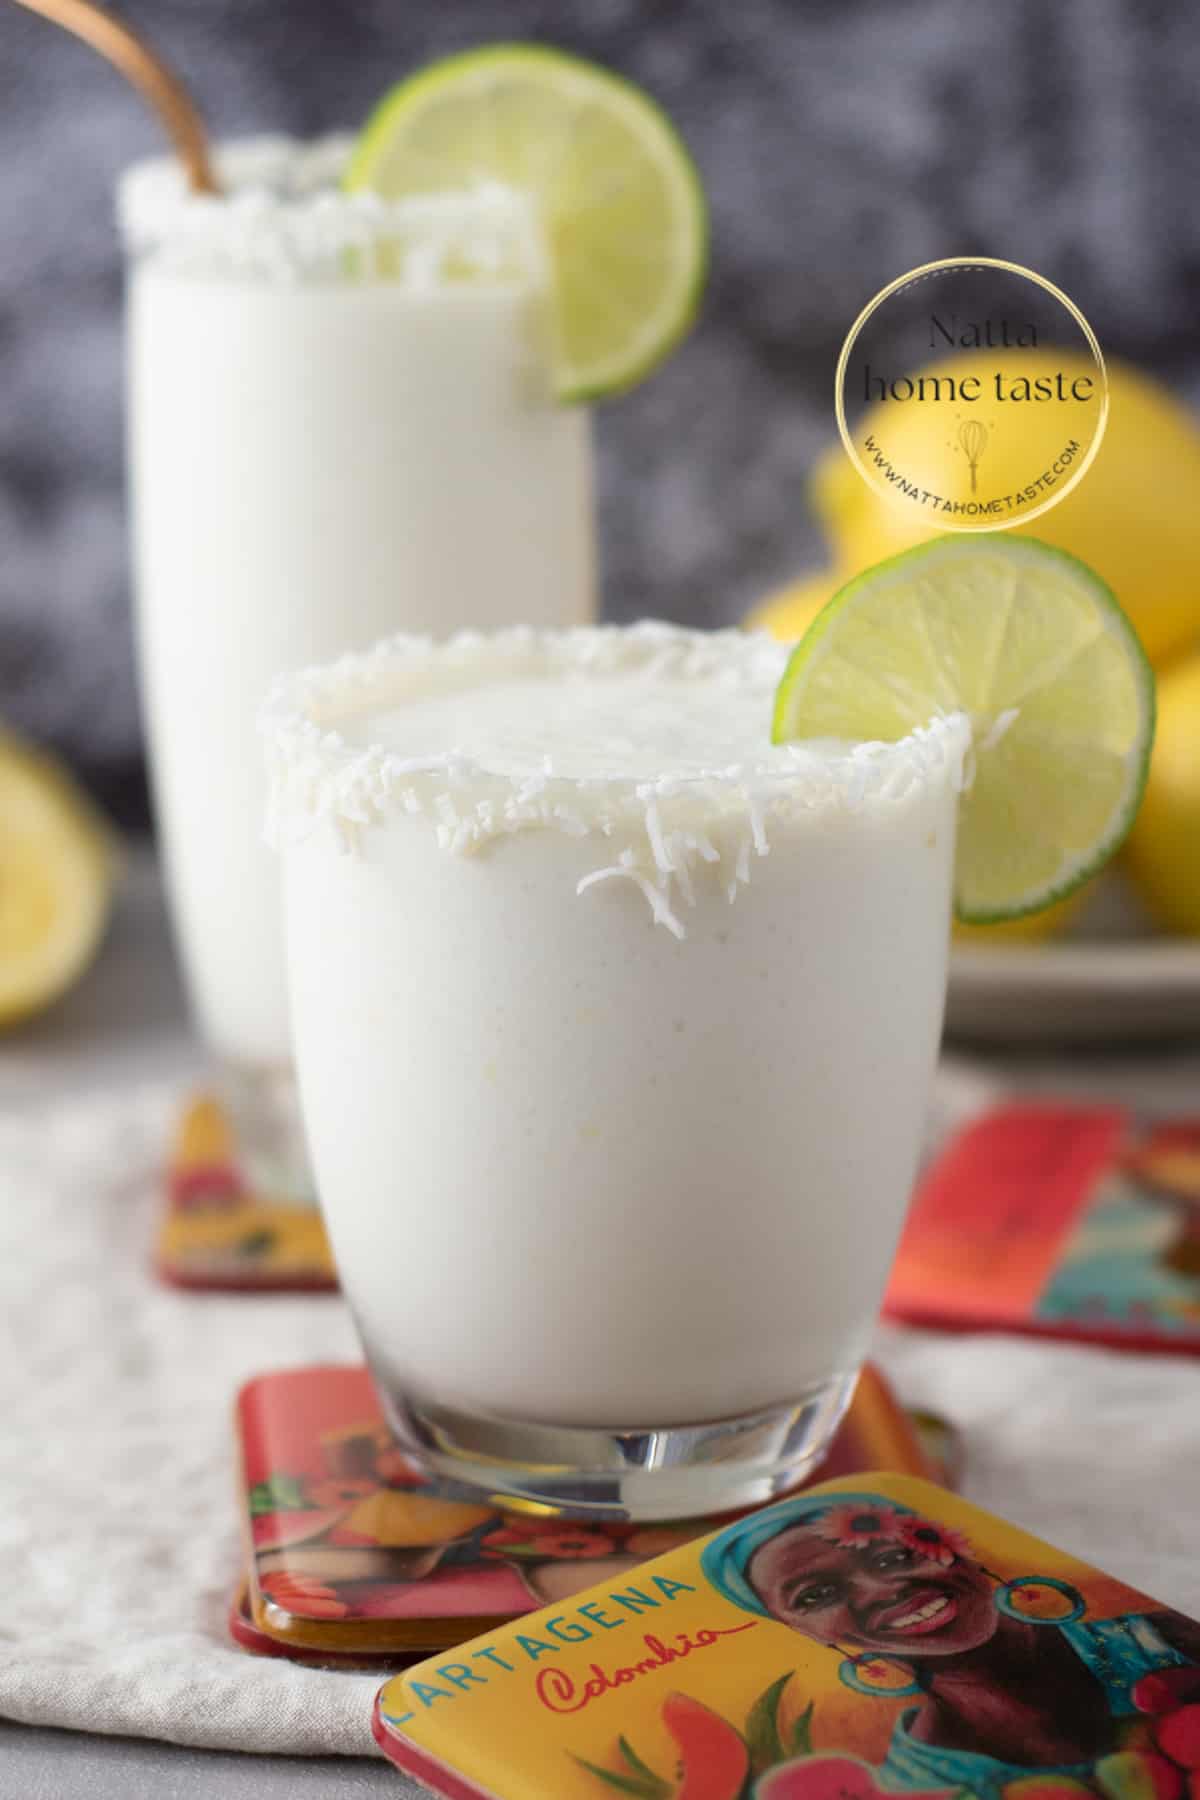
[118, 1522]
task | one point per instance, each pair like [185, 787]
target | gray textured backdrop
[841, 143]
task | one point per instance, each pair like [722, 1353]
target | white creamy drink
[614, 1026]
[341, 424]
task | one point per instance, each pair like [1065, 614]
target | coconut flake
[282, 218]
[658, 835]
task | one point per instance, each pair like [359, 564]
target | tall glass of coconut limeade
[614, 1025]
[341, 422]
[356, 379]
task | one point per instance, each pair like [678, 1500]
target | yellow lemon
[1133, 517]
[1164, 846]
[788, 613]
[56, 879]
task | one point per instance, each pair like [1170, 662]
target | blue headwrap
[726, 1558]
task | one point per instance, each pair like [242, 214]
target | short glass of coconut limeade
[614, 1024]
[341, 424]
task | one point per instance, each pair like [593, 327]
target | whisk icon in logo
[972, 438]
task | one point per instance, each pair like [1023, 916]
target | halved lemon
[56, 878]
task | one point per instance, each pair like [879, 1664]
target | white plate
[1106, 991]
[1111, 981]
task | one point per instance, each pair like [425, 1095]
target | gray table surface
[127, 1019]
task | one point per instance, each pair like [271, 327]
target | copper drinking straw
[140, 65]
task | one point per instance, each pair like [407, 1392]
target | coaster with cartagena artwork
[352, 1553]
[1062, 1220]
[219, 1232]
[869, 1637]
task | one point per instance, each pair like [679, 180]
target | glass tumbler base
[668, 1472]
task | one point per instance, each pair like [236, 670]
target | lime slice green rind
[1034, 648]
[616, 191]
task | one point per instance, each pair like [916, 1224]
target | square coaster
[869, 1637]
[1064, 1221]
[249, 1636]
[215, 1233]
[351, 1550]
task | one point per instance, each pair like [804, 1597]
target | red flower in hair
[856, 1527]
[936, 1543]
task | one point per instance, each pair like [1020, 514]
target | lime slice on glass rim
[617, 194]
[1032, 646]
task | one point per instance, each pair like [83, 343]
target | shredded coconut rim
[661, 833]
[282, 219]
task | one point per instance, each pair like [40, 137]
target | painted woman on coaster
[1007, 1677]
